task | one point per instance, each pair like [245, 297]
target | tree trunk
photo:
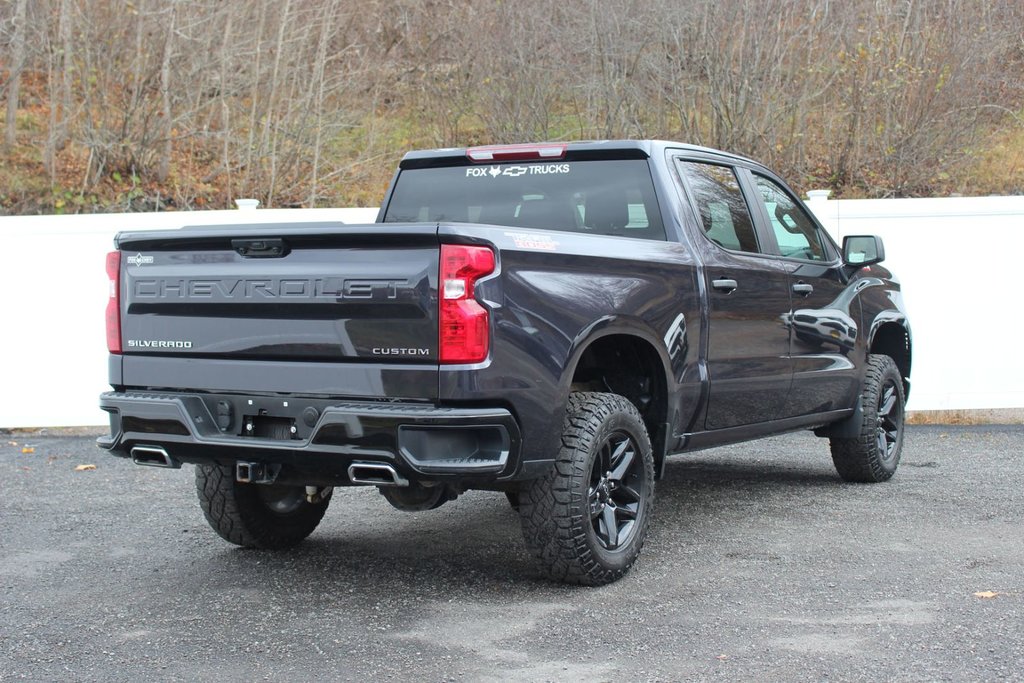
[17, 65]
[164, 167]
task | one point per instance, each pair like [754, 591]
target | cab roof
[542, 151]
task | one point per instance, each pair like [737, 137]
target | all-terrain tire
[264, 516]
[586, 520]
[874, 454]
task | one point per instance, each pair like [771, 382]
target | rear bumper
[316, 440]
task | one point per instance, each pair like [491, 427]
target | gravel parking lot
[761, 565]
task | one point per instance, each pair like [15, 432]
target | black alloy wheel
[890, 420]
[617, 487]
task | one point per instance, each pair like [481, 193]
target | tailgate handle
[260, 248]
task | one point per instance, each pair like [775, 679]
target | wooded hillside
[159, 104]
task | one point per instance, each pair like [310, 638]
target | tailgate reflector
[464, 324]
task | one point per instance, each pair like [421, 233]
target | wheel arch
[891, 337]
[596, 364]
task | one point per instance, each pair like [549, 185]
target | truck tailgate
[296, 294]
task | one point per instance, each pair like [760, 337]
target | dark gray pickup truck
[551, 321]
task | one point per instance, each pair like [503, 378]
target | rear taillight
[465, 324]
[114, 302]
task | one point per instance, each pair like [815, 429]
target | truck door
[748, 287]
[823, 322]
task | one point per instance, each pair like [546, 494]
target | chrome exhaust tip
[375, 474]
[153, 456]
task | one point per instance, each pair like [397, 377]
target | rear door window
[605, 197]
[724, 214]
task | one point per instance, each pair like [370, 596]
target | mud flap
[848, 428]
[659, 448]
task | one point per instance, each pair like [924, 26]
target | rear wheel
[586, 520]
[270, 516]
[874, 454]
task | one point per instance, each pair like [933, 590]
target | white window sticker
[548, 169]
[532, 240]
[483, 171]
[516, 171]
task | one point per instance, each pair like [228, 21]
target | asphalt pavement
[761, 565]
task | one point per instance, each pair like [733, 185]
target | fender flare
[625, 326]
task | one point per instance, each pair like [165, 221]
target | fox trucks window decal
[516, 171]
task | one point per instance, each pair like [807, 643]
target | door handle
[723, 284]
[803, 288]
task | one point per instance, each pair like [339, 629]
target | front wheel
[874, 455]
[269, 516]
[586, 520]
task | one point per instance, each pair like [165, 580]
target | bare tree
[310, 102]
[18, 58]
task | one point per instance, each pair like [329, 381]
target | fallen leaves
[85, 468]
[28, 449]
[986, 594]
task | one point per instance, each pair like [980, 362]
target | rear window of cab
[606, 197]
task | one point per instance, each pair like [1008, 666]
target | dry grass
[999, 166]
[1008, 416]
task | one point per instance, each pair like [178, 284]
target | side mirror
[862, 250]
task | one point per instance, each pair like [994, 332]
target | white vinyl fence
[54, 284]
[957, 259]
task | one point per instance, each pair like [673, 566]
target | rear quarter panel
[553, 294]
